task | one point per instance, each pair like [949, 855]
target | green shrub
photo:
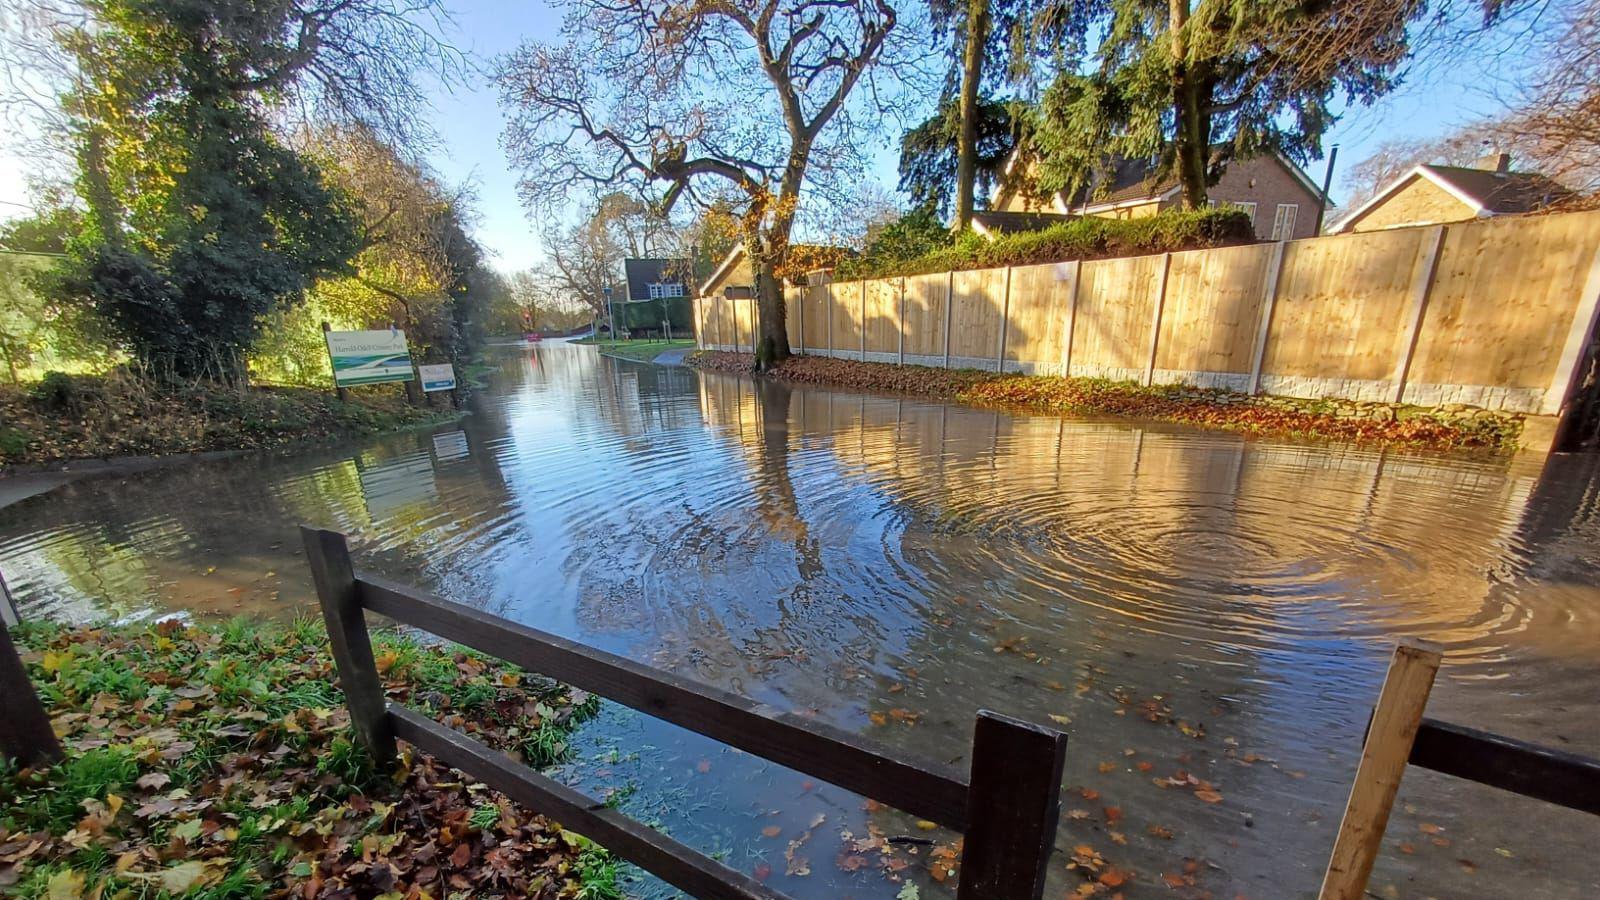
[1089, 237]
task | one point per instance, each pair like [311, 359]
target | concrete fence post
[830, 317]
[1155, 318]
[800, 315]
[1005, 325]
[1269, 304]
[949, 304]
[900, 322]
[1421, 287]
[1584, 319]
[863, 320]
[1072, 315]
[9, 617]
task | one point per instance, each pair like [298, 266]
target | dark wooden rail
[1553, 776]
[1007, 811]
[1399, 735]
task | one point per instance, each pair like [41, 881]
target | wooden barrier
[1007, 811]
[1399, 735]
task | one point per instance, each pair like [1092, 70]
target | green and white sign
[368, 357]
[441, 377]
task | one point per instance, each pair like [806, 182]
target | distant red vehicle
[533, 337]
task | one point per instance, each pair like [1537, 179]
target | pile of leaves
[64, 417]
[219, 762]
[1276, 416]
[1088, 237]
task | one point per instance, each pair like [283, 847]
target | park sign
[369, 357]
[440, 377]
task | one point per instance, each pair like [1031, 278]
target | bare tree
[1554, 120]
[677, 98]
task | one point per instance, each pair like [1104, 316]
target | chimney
[1494, 162]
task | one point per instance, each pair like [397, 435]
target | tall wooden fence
[1494, 313]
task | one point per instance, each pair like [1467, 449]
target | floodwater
[1184, 602]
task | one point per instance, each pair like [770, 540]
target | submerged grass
[219, 762]
[65, 417]
[1368, 423]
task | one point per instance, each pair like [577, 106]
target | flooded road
[1185, 603]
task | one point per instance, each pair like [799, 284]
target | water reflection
[1189, 602]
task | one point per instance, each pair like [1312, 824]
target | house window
[659, 291]
[1283, 222]
[1248, 207]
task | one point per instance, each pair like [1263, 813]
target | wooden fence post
[25, 732]
[1005, 326]
[1394, 726]
[1420, 289]
[1269, 305]
[1013, 804]
[329, 557]
[1155, 319]
[342, 393]
[949, 304]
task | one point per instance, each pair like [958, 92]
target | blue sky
[469, 122]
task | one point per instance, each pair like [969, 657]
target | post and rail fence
[1007, 810]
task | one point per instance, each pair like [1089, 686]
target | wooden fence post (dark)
[1014, 802]
[25, 732]
[342, 393]
[329, 557]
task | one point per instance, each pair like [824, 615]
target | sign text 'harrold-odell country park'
[368, 357]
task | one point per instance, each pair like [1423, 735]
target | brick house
[1279, 197]
[1434, 195]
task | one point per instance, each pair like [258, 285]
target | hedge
[1089, 237]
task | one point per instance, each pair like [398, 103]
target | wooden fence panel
[1500, 309]
[1212, 313]
[883, 319]
[846, 311]
[1340, 320]
[979, 295]
[1035, 317]
[816, 317]
[725, 323]
[925, 301]
[744, 322]
[1116, 306]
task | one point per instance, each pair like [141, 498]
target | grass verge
[67, 417]
[1366, 423]
[219, 762]
[643, 351]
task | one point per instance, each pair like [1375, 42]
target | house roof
[736, 255]
[1134, 182]
[1484, 191]
[990, 222]
[641, 273]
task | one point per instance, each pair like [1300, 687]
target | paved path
[672, 357]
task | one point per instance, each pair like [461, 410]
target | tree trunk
[971, 83]
[1192, 132]
[772, 345]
